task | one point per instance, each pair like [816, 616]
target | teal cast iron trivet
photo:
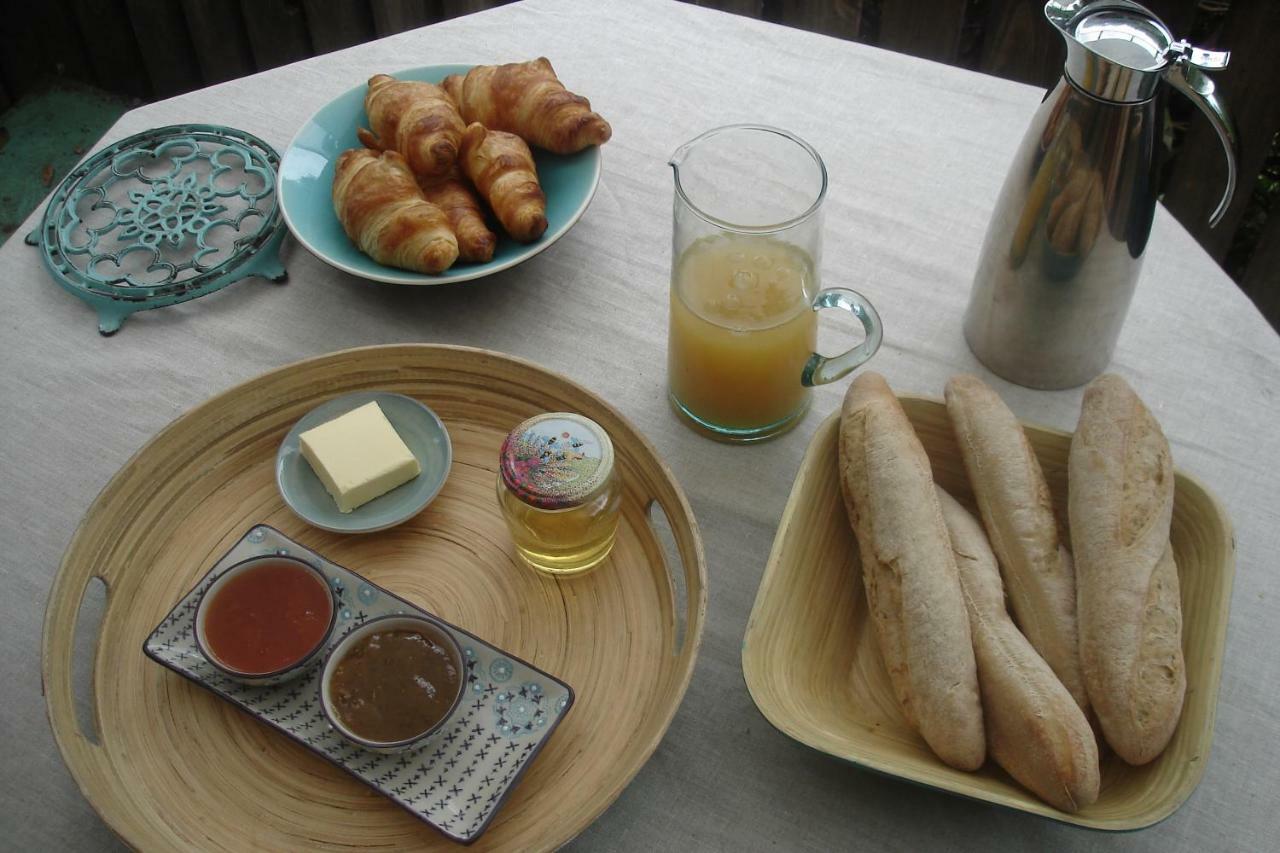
[162, 217]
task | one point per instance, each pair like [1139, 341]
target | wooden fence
[194, 43]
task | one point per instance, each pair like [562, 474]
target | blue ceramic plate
[420, 429]
[306, 182]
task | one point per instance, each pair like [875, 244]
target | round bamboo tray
[174, 767]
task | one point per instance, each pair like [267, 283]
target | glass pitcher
[745, 284]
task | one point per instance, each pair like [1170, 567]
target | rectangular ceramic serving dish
[461, 775]
[813, 667]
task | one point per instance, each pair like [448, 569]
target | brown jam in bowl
[395, 684]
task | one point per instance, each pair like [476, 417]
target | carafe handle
[1184, 73]
[820, 370]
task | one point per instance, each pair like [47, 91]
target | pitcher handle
[1184, 74]
[820, 370]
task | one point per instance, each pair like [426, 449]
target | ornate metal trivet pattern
[162, 217]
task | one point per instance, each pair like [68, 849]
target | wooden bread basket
[814, 669]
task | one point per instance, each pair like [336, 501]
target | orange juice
[742, 329]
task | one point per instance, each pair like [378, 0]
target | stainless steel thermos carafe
[1066, 241]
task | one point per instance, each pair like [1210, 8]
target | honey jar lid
[556, 460]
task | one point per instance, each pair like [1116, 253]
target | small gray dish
[419, 428]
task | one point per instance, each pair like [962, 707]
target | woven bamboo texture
[173, 767]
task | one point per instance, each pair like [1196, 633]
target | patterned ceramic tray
[462, 774]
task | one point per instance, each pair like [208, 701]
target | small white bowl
[278, 676]
[432, 628]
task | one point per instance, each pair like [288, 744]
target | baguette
[1120, 479]
[913, 588]
[1035, 729]
[1017, 512]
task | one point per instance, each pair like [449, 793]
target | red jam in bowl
[268, 617]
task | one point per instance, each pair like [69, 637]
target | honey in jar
[559, 492]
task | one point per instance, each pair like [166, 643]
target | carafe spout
[1060, 14]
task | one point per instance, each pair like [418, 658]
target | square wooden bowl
[813, 667]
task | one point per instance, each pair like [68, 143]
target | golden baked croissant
[452, 195]
[501, 167]
[527, 99]
[383, 212]
[417, 119]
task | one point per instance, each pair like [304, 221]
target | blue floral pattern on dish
[520, 711]
[463, 772]
[500, 670]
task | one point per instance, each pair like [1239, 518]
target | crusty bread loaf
[913, 588]
[1035, 729]
[1120, 491]
[1017, 512]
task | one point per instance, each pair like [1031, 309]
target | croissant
[501, 167]
[417, 119]
[527, 99]
[452, 195]
[383, 212]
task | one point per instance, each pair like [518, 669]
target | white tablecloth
[916, 153]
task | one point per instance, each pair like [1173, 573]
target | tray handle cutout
[88, 626]
[677, 564]
[73, 625]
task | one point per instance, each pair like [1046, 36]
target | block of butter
[358, 456]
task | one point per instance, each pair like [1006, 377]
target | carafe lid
[1118, 50]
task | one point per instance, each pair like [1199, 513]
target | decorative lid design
[556, 460]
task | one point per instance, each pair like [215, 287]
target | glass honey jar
[559, 492]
